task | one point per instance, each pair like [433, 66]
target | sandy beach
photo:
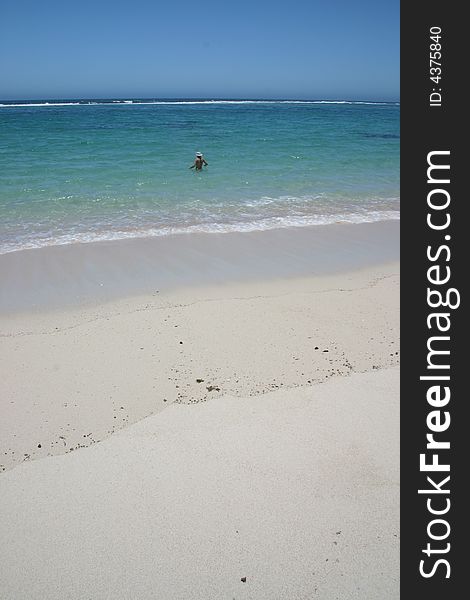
[182, 413]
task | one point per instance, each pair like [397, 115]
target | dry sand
[296, 490]
[248, 429]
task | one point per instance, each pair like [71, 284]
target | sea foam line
[266, 224]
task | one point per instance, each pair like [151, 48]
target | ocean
[90, 170]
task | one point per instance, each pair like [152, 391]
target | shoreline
[74, 275]
[258, 226]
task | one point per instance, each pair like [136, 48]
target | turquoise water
[80, 172]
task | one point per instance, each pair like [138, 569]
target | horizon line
[195, 99]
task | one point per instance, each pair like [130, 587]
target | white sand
[71, 378]
[124, 477]
[296, 490]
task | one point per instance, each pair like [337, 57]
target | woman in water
[199, 162]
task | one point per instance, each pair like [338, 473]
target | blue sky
[336, 49]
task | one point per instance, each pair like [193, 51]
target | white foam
[44, 104]
[191, 102]
[236, 227]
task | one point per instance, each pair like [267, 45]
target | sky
[304, 49]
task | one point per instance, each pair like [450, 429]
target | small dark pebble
[164, 399]
[199, 380]
[211, 388]
[39, 445]
[325, 350]
[243, 579]
[316, 348]
[181, 342]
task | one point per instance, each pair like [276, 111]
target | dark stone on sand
[181, 342]
[316, 348]
[243, 579]
[212, 388]
[199, 380]
[325, 350]
[39, 445]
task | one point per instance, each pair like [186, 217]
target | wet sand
[78, 274]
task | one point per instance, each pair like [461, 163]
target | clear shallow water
[95, 170]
